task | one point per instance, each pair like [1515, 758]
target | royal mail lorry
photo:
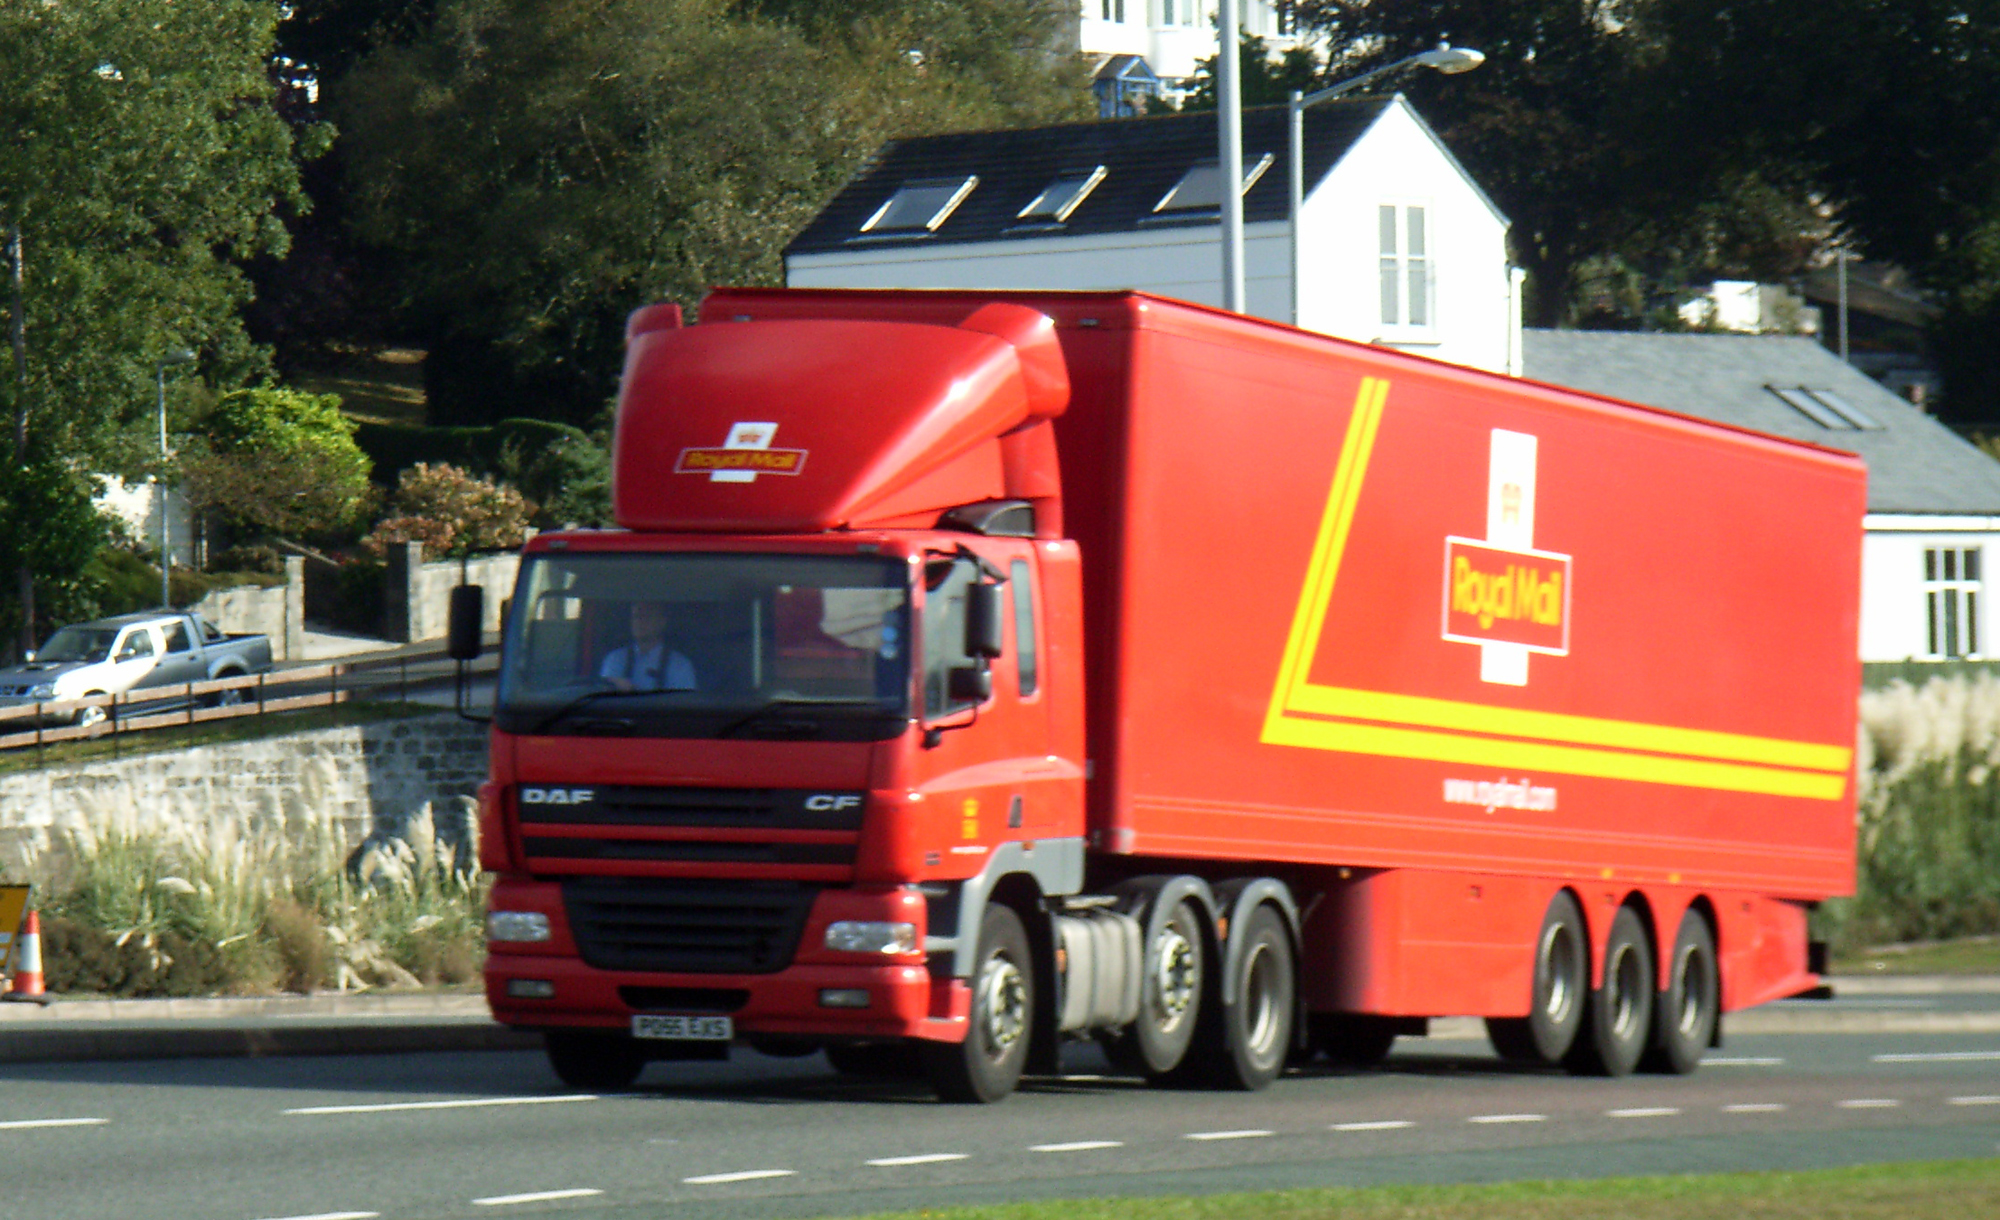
[972, 672]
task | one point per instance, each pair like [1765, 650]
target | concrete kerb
[349, 1024]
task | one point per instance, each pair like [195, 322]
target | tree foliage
[279, 461]
[451, 513]
[545, 166]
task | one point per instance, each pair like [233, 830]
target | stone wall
[278, 611]
[361, 777]
[418, 594]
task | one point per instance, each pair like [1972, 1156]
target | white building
[1171, 37]
[1397, 244]
[138, 505]
[1933, 499]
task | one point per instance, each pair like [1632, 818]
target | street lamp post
[1446, 58]
[177, 356]
[1229, 105]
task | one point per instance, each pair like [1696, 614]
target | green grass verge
[383, 386]
[1937, 1190]
[1970, 955]
[216, 732]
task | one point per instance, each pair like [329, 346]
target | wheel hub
[1003, 1001]
[1174, 976]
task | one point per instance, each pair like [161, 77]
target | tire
[1257, 1028]
[988, 1064]
[1350, 1039]
[1686, 1012]
[876, 1060]
[87, 717]
[1557, 994]
[1618, 1024]
[588, 1059]
[1170, 995]
[233, 697]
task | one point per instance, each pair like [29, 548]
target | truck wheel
[1351, 1039]
[226, 698]
[89, 716]
[590, 1059]
[987, 1065]
[876, 1060]
[1618, 1023]
[1257, 1029]
[1562, 977]
[1169, 995]
[1684, 1018]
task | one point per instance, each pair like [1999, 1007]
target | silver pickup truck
[130, 653]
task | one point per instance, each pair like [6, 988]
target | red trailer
[1005, 668]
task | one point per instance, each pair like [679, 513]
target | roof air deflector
[1200, 188]
[919, 207]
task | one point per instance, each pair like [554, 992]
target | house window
[1113, 10]
[919, 207]
[1061, 196]
[1826, 408]
[1951, 600]
[1406, 266]
[1180, 12]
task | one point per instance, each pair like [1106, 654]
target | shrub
[282, 461]
[451, 513]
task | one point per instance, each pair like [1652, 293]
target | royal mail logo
[745, 455]
[1497, 595]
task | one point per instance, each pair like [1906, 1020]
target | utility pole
[1229, 113]
[18, 333]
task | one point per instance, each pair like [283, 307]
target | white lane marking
[1386, 1124]
[747, 1175]
[333, 1216]
[540, 1196]
[1078, 1146]
[1984, 1099]
[1937, 1057]
[1868, 1103]
[25, 1124]
[923, 1158]
[1754, 1107]
[1508, 1118]
[1227, 1135]
[1742, 1061]
[469, 1104]
[1644, 1112]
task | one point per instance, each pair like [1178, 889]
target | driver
[647, 663]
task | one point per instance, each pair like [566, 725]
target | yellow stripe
[1571, 745]
[1557, 759]
[1573, 730]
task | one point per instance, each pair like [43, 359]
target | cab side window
[1025, 659]
[177, 638]
[139, 643]
[945, 583]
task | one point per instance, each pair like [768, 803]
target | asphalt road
[485, 1134]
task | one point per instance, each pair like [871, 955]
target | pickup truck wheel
[89, 716]
[1257, 1028]
[1557, 995]
[1686, 1012]
[987, 1065]
[233, 697]
[1618, 1023]
[590, 1059]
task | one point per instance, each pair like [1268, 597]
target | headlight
[46, 690]
[517, 925]
[870, 936]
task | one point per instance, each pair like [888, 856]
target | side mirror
[973, 683]
[28, 656]
[983, 613]
[463, 640]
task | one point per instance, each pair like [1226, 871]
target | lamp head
[179, 355]
[1452, 60]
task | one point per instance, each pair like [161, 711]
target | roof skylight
[919, 206]
[1062, 195]
[1200, 188]
[1826, 408]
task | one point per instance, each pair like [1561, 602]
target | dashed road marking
[747, 1175]
[1078, 1146]
[333, 1216]
[1868, 1103]
[1508, 1118]
[1743, 1061]
[1227, 1135]
[29, 1124]
[1386, 1124]
[1983, 1099]
[472, 1103]
[922, 1158]
[1754, 1107]
[539, 1196]
[1937, 1057]
[1644, 1112]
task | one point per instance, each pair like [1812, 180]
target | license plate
[683, 1029]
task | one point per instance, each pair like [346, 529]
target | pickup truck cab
[131, 653]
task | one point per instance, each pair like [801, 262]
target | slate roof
[1143, 158]
[1915, 464]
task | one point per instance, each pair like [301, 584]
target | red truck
[1317, 690]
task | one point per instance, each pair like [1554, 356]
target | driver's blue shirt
[655, 668]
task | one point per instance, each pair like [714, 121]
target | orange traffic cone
[28, 962]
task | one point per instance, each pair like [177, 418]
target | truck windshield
[708, 645]
[89, 644]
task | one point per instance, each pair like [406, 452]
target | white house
[1933, 499]
[1398, 245]
[1171, 37]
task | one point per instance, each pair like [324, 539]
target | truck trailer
[970, 672]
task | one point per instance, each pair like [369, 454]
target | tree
[1265, 80]
[280, 461]
[451, 513]
[542, 167]
[142, 161]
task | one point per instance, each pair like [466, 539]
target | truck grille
[600, 828]
[687, 926]
[748, 808]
